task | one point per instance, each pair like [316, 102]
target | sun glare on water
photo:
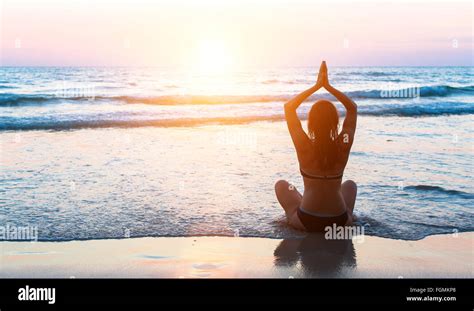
[213, 57]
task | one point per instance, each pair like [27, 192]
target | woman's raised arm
[298, 135]
[350, 121]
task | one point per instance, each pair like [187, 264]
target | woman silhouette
[322, 156]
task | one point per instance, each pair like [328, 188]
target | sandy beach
[439, 256]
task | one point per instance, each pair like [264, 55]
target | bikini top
[320, 176]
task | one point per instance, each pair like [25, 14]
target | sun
[213, 57]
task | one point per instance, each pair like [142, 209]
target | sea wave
[413, 92]
[127, 119]
[58, 125]
[418, 109]
[8, 99]
[13, 99]
[440, 190]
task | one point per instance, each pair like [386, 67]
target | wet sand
[438, 256]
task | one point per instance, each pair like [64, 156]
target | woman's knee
[350, 184]
[349, 191]
[281, 185]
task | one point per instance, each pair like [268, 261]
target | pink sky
[251, 33]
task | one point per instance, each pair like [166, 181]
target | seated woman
[322, 156]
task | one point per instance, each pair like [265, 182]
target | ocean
[97, 152]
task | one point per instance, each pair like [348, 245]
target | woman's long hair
[323, 127]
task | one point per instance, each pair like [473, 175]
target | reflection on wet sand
[317, 256]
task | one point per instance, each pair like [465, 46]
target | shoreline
[303, 234]
[435, 256]
[193, 122]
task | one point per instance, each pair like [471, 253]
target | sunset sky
[235, 34]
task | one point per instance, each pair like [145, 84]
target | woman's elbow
[354, 107]
[288, 107]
